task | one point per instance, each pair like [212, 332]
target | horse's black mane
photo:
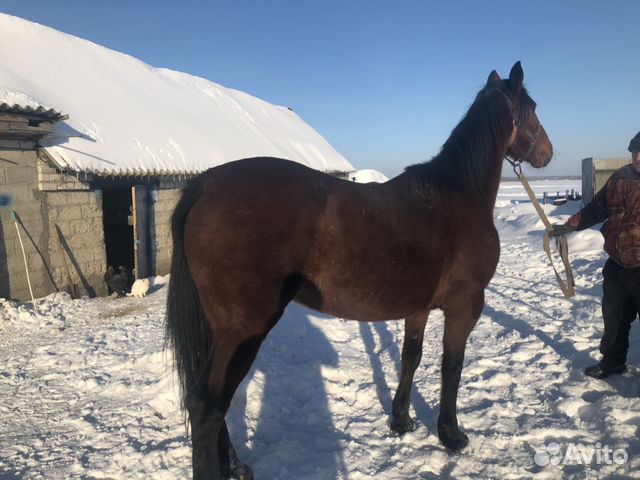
[472, 147]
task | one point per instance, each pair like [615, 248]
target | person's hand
[560, 230]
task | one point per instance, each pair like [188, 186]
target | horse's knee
[413, 358]
[452, 359]
[197, 403]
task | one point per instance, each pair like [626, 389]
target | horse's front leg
[461, 315]
[411, 355]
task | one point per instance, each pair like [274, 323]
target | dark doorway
[118, 227]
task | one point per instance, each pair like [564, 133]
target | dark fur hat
[634, 144]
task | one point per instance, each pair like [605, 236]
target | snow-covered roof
[368, 175]
[128, 118]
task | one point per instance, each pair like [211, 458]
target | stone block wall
[49, 179]
[45, 202]
[18, 182]
[76, 248]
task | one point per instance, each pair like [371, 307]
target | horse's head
[529, 141]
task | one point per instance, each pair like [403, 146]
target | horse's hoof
[452, 438]
[403, 425]
[241, 472]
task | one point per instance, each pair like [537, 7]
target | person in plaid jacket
[618, 205]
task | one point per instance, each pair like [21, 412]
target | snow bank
[126, 117]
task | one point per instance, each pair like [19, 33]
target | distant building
[596, 172]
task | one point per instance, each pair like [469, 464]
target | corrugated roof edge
[42, 112]
[65, 167]
[51, 156]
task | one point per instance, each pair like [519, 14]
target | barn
[94, 148]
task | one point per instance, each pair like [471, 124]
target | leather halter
[532, 137]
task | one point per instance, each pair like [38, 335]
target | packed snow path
[87, 391]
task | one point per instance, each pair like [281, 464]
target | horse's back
[254, 218]
[264, 195]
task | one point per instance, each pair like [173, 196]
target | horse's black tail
[187, 330]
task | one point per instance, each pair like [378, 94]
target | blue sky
[386, 81]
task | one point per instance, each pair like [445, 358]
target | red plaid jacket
[619, 204]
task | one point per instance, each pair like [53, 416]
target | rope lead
[562, 246]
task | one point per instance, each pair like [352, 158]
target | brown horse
[251, 236]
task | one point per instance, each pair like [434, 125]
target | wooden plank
[141, 236]
[43, 127]
[24, 130]
[7, 117]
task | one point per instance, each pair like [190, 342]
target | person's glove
[560, 230]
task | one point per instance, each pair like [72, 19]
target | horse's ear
[516, 77]
[493, 79]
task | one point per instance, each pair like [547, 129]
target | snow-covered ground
[86, 389]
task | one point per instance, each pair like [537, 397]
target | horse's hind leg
[208, 402]
[205, 422]
[461, 316]
[236, 469]
[411, 355]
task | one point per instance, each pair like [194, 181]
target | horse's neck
[470, 162]
[493, 181]
[486, 185]
[419, 183]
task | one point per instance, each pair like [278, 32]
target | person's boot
[603, 370]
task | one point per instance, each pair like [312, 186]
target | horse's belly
[366, 302]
